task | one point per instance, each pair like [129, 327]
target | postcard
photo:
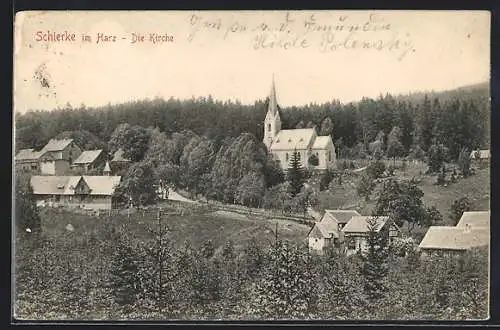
[251, 165]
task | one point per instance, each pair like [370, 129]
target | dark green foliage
[313, 160]
[464, 162]
[138, 185]
[123, 279]
[365, 186]
[84, 139]
[375, 169]
[133, 140]
[436, 155]
[441, 177]
[375, 266]
[325, 179]
[458, 207]
[295, 174]
[26, 213]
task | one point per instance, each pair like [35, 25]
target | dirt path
[173, 195]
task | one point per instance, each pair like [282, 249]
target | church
[305, 141]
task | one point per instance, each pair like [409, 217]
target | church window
[269, 127]
[298, 156]
[329, 156]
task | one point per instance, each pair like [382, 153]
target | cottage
[355, 233]
[57, 156]
[453, 240]
[92, 192]
[314, 152]
[326, 232]
[480, 155]
[27, 160]
[473, 230]
[89, 160]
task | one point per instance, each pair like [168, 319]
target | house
[27, 160]
[119, 162]
[472, 230]
[480, 155]
[90, 192]
[89, 160]
[354, 235]
[453, 240]
[57, 156]
[283, 143]
[326, 232]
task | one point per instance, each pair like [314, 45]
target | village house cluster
[64, 175]
[347, 231]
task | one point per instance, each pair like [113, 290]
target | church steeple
[272, 122]
[273, 102]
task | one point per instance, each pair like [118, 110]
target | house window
[286, 156]
[329, 156]
[58, 198]
[351, 243]
[269, 127]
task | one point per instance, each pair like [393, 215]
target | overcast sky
[220, 53]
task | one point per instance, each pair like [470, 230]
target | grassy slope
[196, 228]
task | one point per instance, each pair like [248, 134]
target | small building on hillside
[89, 160]
[119, 162]
[326, 232]
[472, 230]
[89, 192]
[28, 160]
[480, 155]
[57, 156]
[355, 233]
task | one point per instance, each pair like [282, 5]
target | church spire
[273, 103]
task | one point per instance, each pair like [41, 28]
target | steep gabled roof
[56, 145]
[483, 154]
[273, 102]
[65, 185]
[321, 142]
[87, 157]
[290, 139]
[27, 154]
[475, 219]
[454, 238]
[359, 224]
[342, 216]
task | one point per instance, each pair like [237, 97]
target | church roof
[273, 102]
[321, 142]
[290, 139]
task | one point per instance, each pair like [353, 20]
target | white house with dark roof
[472, 230]
[283, 143]
[89, 160]
[327, 232]
[355, 233]
[57, 156]
[90, 192]
[481, 155]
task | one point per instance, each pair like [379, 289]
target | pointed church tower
[272, 122]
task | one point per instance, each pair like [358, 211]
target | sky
[314, 56]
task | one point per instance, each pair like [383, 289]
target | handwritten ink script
[306, 31]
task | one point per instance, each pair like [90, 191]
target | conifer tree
[123, 280]
[26, 213]
[375, 262]
[295, 174]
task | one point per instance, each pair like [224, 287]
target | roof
[87, 157]
[102, 184]
[107, 168]
[326, 228]
[454, 238]
[64, 185]
[290, 139]
[56, 145]
[475, 219]
[118, 156]
[273, 102]
[321, 142]
[342, 216]
[358, 224]
[27, 154]
[482, 153]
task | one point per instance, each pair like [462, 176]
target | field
[195, 227]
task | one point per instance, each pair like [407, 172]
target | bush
[375, 169]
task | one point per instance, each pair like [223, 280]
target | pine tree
[123, 275]
[295, 174]
[26, 213]
[375, 263]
